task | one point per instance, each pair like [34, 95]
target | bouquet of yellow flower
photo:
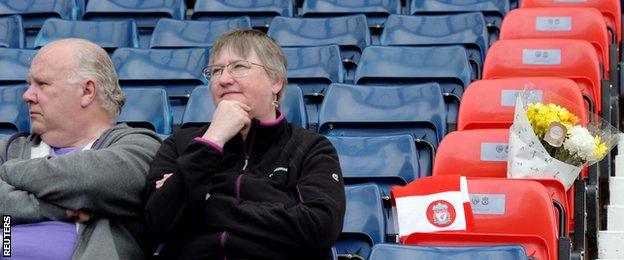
[549, 141]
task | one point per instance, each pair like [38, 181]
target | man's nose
[29, 96]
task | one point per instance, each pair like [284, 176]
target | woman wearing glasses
[249, 185]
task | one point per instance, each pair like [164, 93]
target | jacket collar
[262, 134]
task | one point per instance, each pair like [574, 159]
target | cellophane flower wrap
[532, 154]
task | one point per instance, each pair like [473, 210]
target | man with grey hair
[73, 186]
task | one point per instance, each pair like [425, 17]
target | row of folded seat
[396, 121]
[478, 149]
[146, 13]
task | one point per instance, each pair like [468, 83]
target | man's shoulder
[122, 131]
[13, 145]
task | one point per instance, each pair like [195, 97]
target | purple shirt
[47, 239]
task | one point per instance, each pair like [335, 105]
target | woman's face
[255, 89]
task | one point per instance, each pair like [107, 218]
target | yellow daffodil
[541, 116]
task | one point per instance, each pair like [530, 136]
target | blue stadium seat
[385, 160]
[108, 34]
[146, 13]
[35, 12]
[466, 29]
[293, 106]
[171, 33]
[14, 66]
[394, 251]
[364, 224]
[11, 32]
[375, 10]
[446, 65]
[349, 32]
[13, 111]
[493, 10]
[178, 70]
[200, 107]
[417, 110]
[261, 12]
[147, 108]
[314, 68]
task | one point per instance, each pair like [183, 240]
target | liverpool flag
[432, 204]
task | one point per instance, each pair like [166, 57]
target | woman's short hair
[242, 42]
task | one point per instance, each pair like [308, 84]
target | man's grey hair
[92, 62]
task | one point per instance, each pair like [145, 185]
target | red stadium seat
[562, 58]
[482, 153]
[524, 215]
[580, 23]
[610, 10]
[490, 103]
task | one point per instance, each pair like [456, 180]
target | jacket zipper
[245, 164]
[238, 183]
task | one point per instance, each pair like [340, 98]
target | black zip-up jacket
[279, 195]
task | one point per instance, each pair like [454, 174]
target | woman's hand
[229, 119]
[161, 182]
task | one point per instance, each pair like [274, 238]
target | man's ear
[89, 92]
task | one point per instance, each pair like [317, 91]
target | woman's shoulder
[305, 137]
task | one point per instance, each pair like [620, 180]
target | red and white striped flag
[431, 204]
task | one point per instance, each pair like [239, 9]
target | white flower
[580, 142]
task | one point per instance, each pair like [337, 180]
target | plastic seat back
[35, 12]
[560, 23]
[417, 110]
[14, 66]
[170, 33]
[147, 108]
[11, 32]
[394, 251]
[349, 32]
[563, 58]
[364, 224]
[473, 153]
[493, 10]
[517, 212]
[14, 115]
[446, 65]
[261, 12]
[314, 68]
[491, 103]
[375, 10]
[385, 160]
[110, 35]
[180, 70]
[467, 29]
[146, 13]
[610, 10]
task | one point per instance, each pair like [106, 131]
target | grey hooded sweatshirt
[106, 180]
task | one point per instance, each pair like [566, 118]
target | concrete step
[615, 215]
[611, 244]
[619, 162]
[616, 191]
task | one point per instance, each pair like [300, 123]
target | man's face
[51, 99]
